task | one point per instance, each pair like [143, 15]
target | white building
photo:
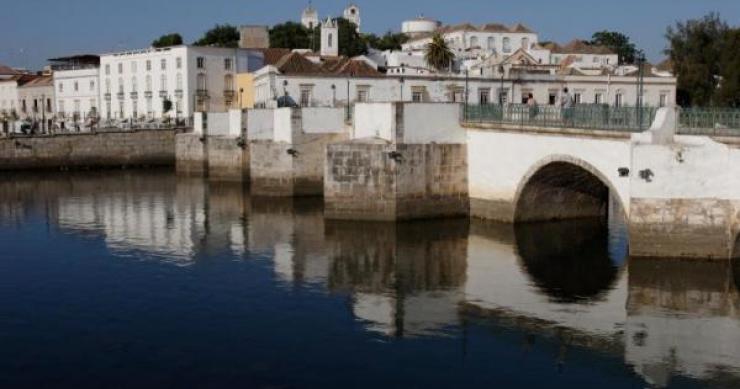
[469, 41]
[581, 54]
[310, 17]
[76, 87]
[352, 13]
[326, 84]
[137, 84]
[36, 101]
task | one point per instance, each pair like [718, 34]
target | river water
[141, 279]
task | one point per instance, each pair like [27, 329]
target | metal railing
[709, 121]
[585, 116]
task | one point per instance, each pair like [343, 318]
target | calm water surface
[140, 279]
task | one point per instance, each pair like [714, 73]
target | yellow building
[245, 90]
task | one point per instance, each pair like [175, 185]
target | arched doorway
[563, 190]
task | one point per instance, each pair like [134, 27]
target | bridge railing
[709, 121]
[582, 116]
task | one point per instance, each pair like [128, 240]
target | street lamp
[501, 91]
[333, 95]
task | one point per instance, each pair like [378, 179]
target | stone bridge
[680, 195]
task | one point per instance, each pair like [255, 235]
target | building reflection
[683, 318]
[569, 282]
[404, 279]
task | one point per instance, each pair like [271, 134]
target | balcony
[107, 96]
[229, 95]
[148, 94]
[120, 95]
[134, 95]
[163, 94]
[178, 93]
[201, 93]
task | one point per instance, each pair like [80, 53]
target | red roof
[7, 71]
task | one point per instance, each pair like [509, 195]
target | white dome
[419, 25]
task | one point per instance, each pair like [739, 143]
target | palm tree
[438, 54]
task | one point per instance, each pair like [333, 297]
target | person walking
[566, 107]
[534, 109]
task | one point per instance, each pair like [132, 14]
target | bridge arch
[562, 187]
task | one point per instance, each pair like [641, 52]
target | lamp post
[333, 95]
[501, 90]
[403, 80]
[241, 98]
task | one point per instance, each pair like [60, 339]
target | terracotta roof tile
[273, 55]
[6, 70]
[295, 63]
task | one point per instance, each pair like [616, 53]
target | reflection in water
[560, 289]
[568, 261]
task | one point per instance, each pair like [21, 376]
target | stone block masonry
[99, 150]
[290, 169]
[190, 155]
[386, 182]
[228, 160]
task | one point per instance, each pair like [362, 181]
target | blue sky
[33, 30]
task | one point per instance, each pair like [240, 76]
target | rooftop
[489, 27]
[578, 47]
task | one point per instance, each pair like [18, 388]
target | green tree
[617, 42]
[695, 47]
[729, 84]
[389, 41]
[438, 54]
[351, 44]
[224, 35]
[168, 40]
[291, 35]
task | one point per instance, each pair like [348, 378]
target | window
[148, 85]
[133, 67]
[507, 45]
[201, 81]
[77, 109]
[60, 105]
[363, 94]
[306, 95]
[148, 65]
[331, 40]
[163, 83]
[48, 105]
[149, 108]
[484, 96]
[491, 43]
[120, 109]
[503, 96]
[552, 97]
[120, 68]
[227, 64]
[120, 85]
[77, 86]
[61, 87]
[179, 81]
[473, 41]
[178, 62]
[108, 110]
[107, 69]
[229, 82]
[577, 98]
[417, 96]
[525, 43]
[23, 106]
[598, 98]
[93, 107]
[618, 99]
[457, 95]
[133, 84]
[107, 85]
[92, 85]
[663, 100]
[200, 62]
[163, 64]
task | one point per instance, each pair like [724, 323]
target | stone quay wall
[94, 150]
[386, 182]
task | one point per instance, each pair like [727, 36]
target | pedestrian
[566, 106]
[534, 109]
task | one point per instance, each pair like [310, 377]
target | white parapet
[411, 123]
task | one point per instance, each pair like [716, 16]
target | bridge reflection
[568, 282]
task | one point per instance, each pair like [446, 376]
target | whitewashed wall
[427, 123]
[374, 120]
[260, 124]
[323, 120]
